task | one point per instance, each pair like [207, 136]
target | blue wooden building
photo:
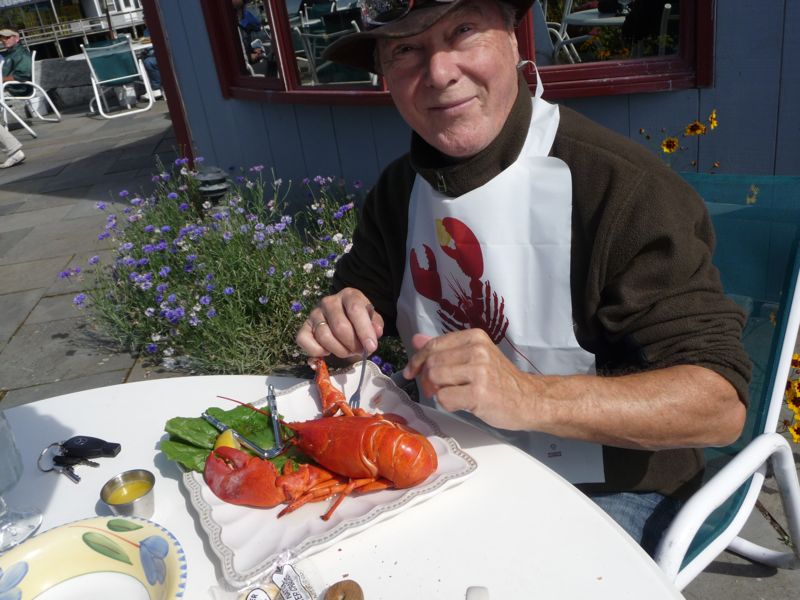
[734, 56]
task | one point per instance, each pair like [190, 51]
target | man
[16, 63]
[546, 275]
[10, 149]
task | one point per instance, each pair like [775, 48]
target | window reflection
[314, 25]
[577, 31]
[255, 38]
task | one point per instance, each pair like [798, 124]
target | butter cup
[142, 505]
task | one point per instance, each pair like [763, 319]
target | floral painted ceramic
[103, 557]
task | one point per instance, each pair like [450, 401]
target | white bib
[498, 258]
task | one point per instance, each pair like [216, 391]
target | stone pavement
[49, 223]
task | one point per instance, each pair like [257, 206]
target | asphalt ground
[49, 223]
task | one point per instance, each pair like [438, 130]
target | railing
[54, 32]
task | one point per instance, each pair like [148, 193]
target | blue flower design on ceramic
[153, 551]
[10, 579]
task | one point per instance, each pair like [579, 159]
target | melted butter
[129, 492]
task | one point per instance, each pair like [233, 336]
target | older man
[549, 278]
[17, 62]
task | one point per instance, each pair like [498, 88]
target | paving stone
[59, 388]
[71, 197]
[10, 208]
[10, 239]
[15, 308]
[61, 238]
[144, 370]
[53, 308]
[33, 218]
[31, 274]
[57, 350]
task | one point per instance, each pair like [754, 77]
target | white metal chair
[758, 255]
[112, 65]
[31, 99]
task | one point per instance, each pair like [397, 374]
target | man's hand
[344, 324]
[466, 371]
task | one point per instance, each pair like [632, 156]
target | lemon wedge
[226, 440]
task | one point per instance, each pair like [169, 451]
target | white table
[594, 18]
[513, 526]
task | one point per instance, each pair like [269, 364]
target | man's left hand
[466, 371]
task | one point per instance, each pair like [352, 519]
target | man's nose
[441, 69]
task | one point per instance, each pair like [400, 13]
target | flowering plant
[670, 143]
[218, 286]
[792, 397]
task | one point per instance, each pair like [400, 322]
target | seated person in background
[16, 63]
[249, 30]
[153, 74]
[551, 280]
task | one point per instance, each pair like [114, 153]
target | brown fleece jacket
[644, 292]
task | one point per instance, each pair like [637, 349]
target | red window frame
[691, 68]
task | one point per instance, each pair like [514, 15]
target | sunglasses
[375, 13]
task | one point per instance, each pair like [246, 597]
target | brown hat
[8, 33]
[358, 49]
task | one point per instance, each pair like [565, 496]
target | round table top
[512, 526]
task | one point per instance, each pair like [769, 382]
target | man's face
[9, 42]
[456, 82]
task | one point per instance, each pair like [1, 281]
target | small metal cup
[141, 506]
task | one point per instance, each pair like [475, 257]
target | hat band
[376, 13]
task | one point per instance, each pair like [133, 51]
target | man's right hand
[344, 324]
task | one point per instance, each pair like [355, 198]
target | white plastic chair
[758, 255]
[31, 99]
[111, 65]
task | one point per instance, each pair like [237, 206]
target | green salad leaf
[191, 439]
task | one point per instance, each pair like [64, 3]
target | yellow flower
[696, 128]
[794, 429]
[712, 119]
[669, 145]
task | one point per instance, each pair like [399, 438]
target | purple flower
[79, 300]
[358, 184]
[149, 228]
[166, 228]
[323, 262]
[136, 201]
[387, 368]
[143, 261]
[227, 291]
[263, 299]
[172, 196]
[179, 162]
[103, 235]
[287, 274]
[100, 205]
[194, 321]
[126, 246]
[65, 274]
[162, 287]
[205, 300]
[191, 257]
[209, 277]
[94, 260]
[376, 359]
[164, 271]
[124, 194]
[151, 348]
[271, 271]
[199, 159]
[171, 298]
[128, 261]
[210, 287]
[296, 307]
[183, 207]
[227, 236]
[211, 313]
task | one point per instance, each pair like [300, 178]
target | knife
[273, 413]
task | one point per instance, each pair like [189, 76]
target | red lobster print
[478, 308]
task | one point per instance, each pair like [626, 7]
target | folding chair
[757, 222]
[112, 65]
[30, 99]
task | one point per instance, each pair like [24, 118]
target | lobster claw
[426, 281]
[465, 249]
[240, 478]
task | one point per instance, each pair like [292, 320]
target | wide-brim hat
[358, 49]
[8, 33]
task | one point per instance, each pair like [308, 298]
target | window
[272, 49]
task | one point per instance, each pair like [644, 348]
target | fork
[355, 399]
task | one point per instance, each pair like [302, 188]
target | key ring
[42, 455]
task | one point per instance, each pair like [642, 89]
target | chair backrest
[112, 62]
[757, 225]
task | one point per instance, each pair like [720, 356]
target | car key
[89, 447]
[68, 471]
[63, 460]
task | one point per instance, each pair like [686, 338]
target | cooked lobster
[355, 451]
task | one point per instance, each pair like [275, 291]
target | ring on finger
[315, 326]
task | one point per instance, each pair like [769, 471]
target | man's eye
[402, 50]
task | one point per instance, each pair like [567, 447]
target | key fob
[89, 447]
